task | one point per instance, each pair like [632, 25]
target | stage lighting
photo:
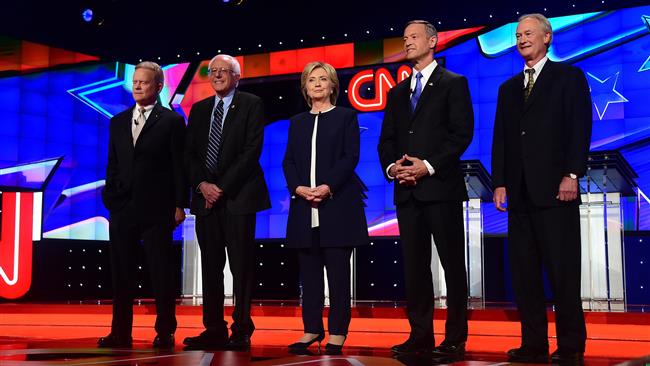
[87, 15]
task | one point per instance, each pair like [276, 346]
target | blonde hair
[331, 74]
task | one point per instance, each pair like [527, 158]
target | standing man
[542, 132]
[145, 193]
[428, 124]
[223, 147]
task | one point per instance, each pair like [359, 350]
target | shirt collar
[538, 66]
[226, 100]
[426, 73]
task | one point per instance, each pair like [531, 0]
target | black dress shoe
[304, 345]
[166, 341]
[412, 346]
[564, 357]
[334, 349]
[206, 341]
[449, 352]
[527, 355]
[114, 341]
[239, 342]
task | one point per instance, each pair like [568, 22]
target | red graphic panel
[16, 244]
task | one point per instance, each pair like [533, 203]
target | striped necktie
[214, 140]
[530, 84]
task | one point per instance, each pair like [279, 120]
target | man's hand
[396, 166]
[409, 175]
[500, 198]
[210, 192]
[568, 189]
[179, 216]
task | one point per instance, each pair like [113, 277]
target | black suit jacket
[439, 131]
[238, 172]
[540, 141]
[342, 218]
[151, 174]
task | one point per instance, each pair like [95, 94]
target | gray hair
[233, 62]
[429, 28]
[159, 75]
[543, 21]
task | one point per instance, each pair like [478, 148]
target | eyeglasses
[219, 70]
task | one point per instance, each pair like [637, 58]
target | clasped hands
[408, 175]
[314, 195]
[211, 193]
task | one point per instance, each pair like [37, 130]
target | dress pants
[337, 263]
[549, 238]
[125, 234]
[417, 222]
[217, 232]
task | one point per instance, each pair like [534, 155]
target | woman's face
[319, 85]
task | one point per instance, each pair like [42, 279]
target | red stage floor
[39, 334]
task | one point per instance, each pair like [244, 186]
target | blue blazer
[342, 218]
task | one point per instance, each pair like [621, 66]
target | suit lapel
[126, 122]
[428, 89]
[230, 117]
[153, 118]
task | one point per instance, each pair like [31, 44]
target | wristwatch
[572, 176]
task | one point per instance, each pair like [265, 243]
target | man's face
[222, 76]
[145, 89]
[416, 43]
[531, 39]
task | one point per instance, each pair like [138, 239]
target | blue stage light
[87, 15]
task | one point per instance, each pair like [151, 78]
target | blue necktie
[214, 140]
[417, 91]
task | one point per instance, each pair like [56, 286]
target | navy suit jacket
[438, 131]
[342, 218]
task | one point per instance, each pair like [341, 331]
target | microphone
[136, 122]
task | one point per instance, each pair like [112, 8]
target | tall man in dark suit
[145, 193]
[428, 124]
[223, 147]
[542, 132]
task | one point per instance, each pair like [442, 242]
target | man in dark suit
[145, 193]
[542, 132]
[223, 147]
[428, 124]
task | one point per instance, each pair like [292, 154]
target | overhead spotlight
[87, 15]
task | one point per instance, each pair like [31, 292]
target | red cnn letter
[16, 244]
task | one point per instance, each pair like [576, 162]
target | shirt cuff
[429, 167]
[388, 170]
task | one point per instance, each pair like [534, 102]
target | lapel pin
[232, 106]
[430, 84]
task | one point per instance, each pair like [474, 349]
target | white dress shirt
[538, 69]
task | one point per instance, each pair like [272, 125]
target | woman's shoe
[334, 349]
[304, 345]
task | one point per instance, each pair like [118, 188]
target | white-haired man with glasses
[223, 147]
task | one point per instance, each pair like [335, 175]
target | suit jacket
[342, 218]
[151, 174]
[238, 172]
[439, 131]
[540, 141]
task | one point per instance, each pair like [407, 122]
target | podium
[608, 180]
[479, 189]
[192, 285]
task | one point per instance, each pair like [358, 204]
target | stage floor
[44, 334]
